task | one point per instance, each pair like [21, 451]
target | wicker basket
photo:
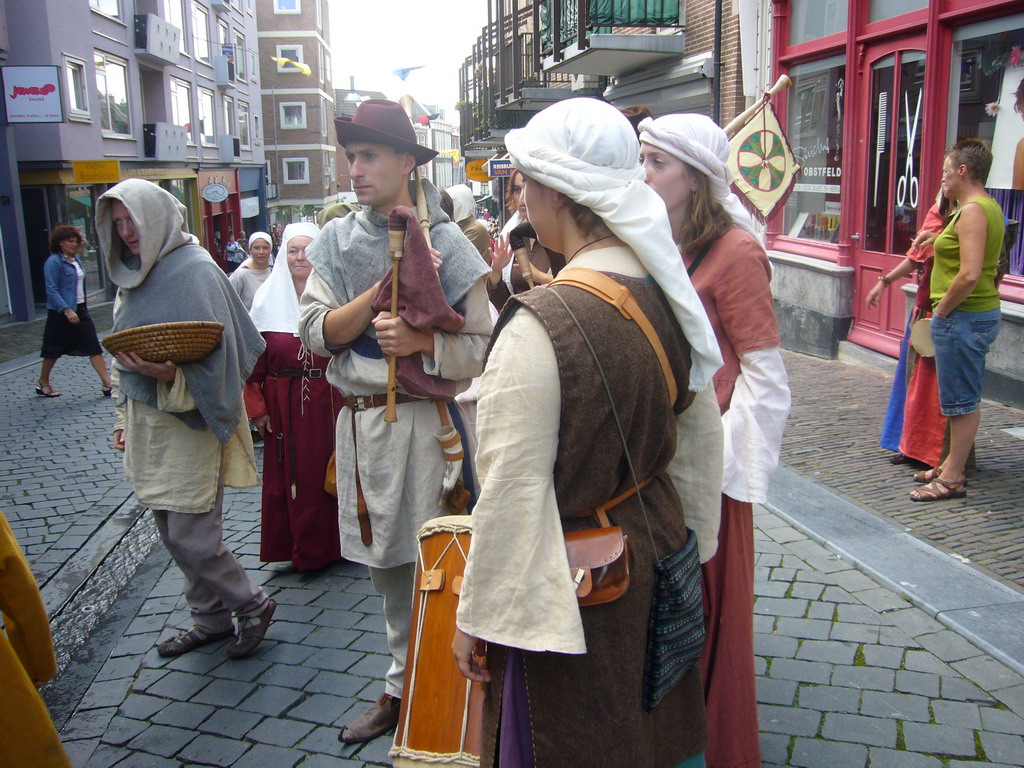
[177, 342]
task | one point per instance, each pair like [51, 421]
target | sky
[372, 38]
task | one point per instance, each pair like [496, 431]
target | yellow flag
[303, 68]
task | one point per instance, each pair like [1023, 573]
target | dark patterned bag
[675, 630]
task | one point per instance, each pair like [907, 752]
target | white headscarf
[463, 202]
[701, 144]
[275, 307]
[247, 264]
[586, 149]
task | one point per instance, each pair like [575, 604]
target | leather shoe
[250, 632]
[188, 640]
[378, 719]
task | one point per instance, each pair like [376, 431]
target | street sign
[476, 171]
[501, 167]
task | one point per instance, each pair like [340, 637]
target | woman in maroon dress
[684, 156]
[290, 401]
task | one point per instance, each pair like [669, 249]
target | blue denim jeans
[961, 342]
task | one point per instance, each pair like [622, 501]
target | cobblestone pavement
[832, 439]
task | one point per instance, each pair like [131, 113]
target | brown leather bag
[599, 563]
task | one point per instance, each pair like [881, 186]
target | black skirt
[61, 337]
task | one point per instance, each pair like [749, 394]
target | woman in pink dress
[684, 156]
[293, 406]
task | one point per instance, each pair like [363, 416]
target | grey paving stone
[1001, 721]
[143, 760]
[372, 665]
[372, 642]
[959, 713]
[774, 748]
[286, 653]
[827, 698]
[810, 629]
[280, 732]
[162, 740]
[215, 750]
[266, 756]
[287, 675]
[196, 663]
[335, 659]
[939, 739]
[178, 686]
[760, 666]
[925, 661]
[775, 646]
[775, 606]
[764, 625]
[79, 751]
[834, 594]
[329, 761]
[332, 637]
[323, 740]
[873, 731]
[823, 611]
[224, 693]
[342, 618]
[922, 683]
[854, 633]
[372, 623]
[323, 709]
[141, 706]
[948, 645]
[271, 700]
[376, 752]
[788, 720]
[300, 614]
[771, 588]
[1003, 748]
[899, 706]
[833, 652]
[245, 670]
[771, 691]
[109, 693]
[864, 678]
[105, 755]
[122, 730]
[113, 669]
[337, 684]
[914, 621]
[1012, 697]
[987, 673]
[890, 758]
[88, 725]
[291, 631]
[807, 590]
[883, 656]
[183, 714]
[233, 723]
[882, 600]
[974, 764]
[896, 637]
[801, 671]
[817, 753]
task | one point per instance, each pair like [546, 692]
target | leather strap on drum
[620, 297]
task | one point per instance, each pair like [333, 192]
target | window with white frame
[109, 7]
[112, 85]
[293, 52]
[321, 63]
[78, 94]
[239, 57]
[181, 107]
[174, 11]
[201, 31]
[296, 170]
[243, 123]
[287, 6]
[323, 117]
[229, 114]
[256, 127]
[319, 14]
[207, 132]
[253, 71]
[293, 114]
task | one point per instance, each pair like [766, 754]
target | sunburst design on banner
[762, 163]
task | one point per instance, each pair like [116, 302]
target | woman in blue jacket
[69, 328]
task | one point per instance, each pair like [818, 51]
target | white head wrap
[586, 149]
[275, 307]
[701, 144]
[261, 236]
[463, 202]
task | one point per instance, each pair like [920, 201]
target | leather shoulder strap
[620, 297]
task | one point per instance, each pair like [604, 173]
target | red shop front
[221, 210]
[880, 89]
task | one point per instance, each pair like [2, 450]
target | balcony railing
[156, 40]
[622, 29]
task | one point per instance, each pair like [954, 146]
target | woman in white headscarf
[569, 684]
[290, 401]
[255, 270]
[685, 160]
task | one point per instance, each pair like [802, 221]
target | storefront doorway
[888, 198]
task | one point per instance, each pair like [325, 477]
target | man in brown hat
[389, 474]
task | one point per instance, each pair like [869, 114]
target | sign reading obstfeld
[97, 171]
[499, 167]
[32, 94]
[214, 193]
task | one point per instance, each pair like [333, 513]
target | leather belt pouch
[598, 563]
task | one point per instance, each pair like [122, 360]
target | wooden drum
[440, 718]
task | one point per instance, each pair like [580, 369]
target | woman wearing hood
[255, 270]
[462, 214]
[182, 427]
[685, 160]
[293, 406]
[576, 685]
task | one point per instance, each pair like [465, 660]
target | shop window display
[814, 128]
[987, 76]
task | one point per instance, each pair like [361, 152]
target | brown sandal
[927, 475]
[939, 490]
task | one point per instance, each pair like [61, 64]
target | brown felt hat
[380, 121]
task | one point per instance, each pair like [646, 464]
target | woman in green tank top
[965, 301]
